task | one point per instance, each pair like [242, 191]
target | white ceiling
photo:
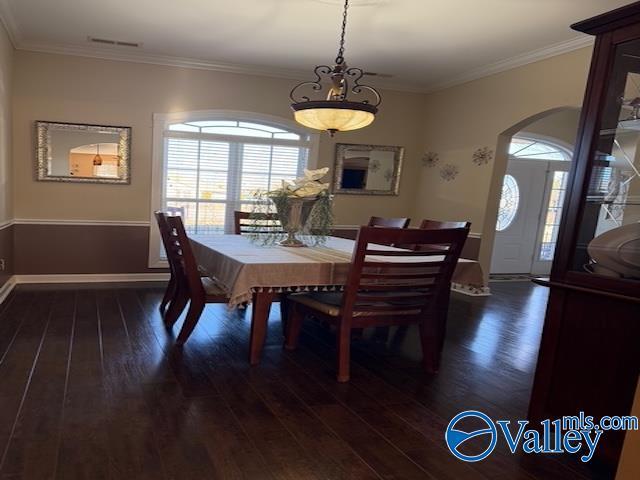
[425, 44]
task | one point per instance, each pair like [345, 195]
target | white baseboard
[92, 278]
[9, 285]
[5, 290]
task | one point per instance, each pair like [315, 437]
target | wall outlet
[2, 265]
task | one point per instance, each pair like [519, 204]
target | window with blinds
[212, 168]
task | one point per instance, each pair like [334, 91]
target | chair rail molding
[6, 224]
[88, 223]
[91, 278]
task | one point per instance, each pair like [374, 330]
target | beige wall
[452, 122]
[6, 74]
[6, 207]
[66, 88]
[561, 125]
[463, 118]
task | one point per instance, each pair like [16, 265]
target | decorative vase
[293, 215]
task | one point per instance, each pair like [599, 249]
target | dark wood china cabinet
[590, 351]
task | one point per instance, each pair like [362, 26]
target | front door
[518, 218]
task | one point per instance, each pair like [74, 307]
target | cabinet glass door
[608, 241]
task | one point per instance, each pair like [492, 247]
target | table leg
[259, 318]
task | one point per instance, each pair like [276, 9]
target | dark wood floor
[91, 388]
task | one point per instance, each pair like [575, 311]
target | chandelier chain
[340, 57]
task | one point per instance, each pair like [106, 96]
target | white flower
[306, 186]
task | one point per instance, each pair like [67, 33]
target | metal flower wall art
[482, 156]
[449, 172]
[430, 159]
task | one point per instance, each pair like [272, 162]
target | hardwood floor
[91, 388]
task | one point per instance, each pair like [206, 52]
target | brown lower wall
[67, 249]
[70, 249]
[7, 253]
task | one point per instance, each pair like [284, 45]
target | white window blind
[214, 167]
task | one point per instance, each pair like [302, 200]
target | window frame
[564, 148]
[161, 122]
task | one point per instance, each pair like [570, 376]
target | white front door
[519, 216]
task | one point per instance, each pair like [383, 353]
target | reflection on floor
[92, 388]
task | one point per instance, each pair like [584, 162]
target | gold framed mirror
[73, 152]
[367, 169]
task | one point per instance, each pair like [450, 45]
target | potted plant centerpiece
[303, 207]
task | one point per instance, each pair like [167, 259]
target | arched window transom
[215, 166]
[531, 149]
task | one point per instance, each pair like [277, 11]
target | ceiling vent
[115, 43]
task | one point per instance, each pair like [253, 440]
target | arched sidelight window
[509, 202]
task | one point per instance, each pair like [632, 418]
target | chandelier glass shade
[348, 104]
[333, 118]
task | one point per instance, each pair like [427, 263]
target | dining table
[254, 273]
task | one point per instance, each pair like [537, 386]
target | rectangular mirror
[367, 169]
[69, 152]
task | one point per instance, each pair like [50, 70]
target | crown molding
[10, 23]
[514, 62]
[118, 54]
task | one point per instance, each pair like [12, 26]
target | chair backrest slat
[245, 222]
[180, 250]
[405, 253]
[394, 287]
[400, 279]
[399, 222]
[387, 266]
[396, 276]
[163, 227]
[438, 225]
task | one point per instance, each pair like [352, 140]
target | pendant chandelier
[337, 112]
[97, 160]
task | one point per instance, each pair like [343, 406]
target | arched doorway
[556, 128]
[530, 207]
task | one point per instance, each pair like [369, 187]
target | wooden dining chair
[387, 286]
[172, 286]
[437, 225]
[399, 222]
[245, 222]
[190, 285]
